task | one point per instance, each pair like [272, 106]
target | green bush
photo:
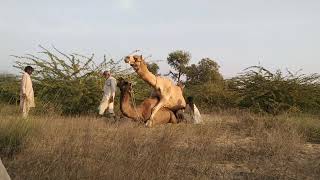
[210, 96]
[72, 83]
[263, 91]
[9, 89]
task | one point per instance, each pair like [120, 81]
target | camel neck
[126, 106]
[146, 75]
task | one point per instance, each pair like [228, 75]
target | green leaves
[178, 60]
[264, 91]
[9, 89]
[206, 71]
[72, 82]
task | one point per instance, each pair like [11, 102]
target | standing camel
[170, 95]
[143, 111]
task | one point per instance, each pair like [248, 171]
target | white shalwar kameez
[27, 101]
[192, 116]
[109, 91]
[196, 115]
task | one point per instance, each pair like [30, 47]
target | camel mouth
[129, 62]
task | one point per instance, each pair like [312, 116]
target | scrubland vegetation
[257, 125]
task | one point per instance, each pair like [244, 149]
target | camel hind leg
[155, 109]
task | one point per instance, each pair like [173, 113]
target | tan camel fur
[170, 95]
[142, 112]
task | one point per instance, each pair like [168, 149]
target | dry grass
[230, 145]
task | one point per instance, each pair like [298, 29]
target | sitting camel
[170, 95]
[143, 111]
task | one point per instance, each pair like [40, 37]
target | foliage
[264, 91]
[153, 67]
[209, 96]
[71, 82]
[206, 85]
[207, 71]
[9, 88]
[178, 60]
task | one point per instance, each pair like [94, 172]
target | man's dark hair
[190, 99]
[28, 68]
[190, 102]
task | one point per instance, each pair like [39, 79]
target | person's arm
[23, 85]
[113, 86]
[105, 87]
[113, 90]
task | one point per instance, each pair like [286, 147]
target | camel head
[135, 61]
[124, 85]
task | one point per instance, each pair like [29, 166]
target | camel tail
[173, 118]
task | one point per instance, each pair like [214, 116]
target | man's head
[106, 74]
[189, 99]
[28, 69]
[190, 102]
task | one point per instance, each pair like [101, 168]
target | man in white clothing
[191, 113]
[26, 92]
[109, 93]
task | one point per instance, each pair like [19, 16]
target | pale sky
[236, 33]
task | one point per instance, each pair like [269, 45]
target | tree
[178, 60]
[207, 70]
[71, 82]
[153, 67]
